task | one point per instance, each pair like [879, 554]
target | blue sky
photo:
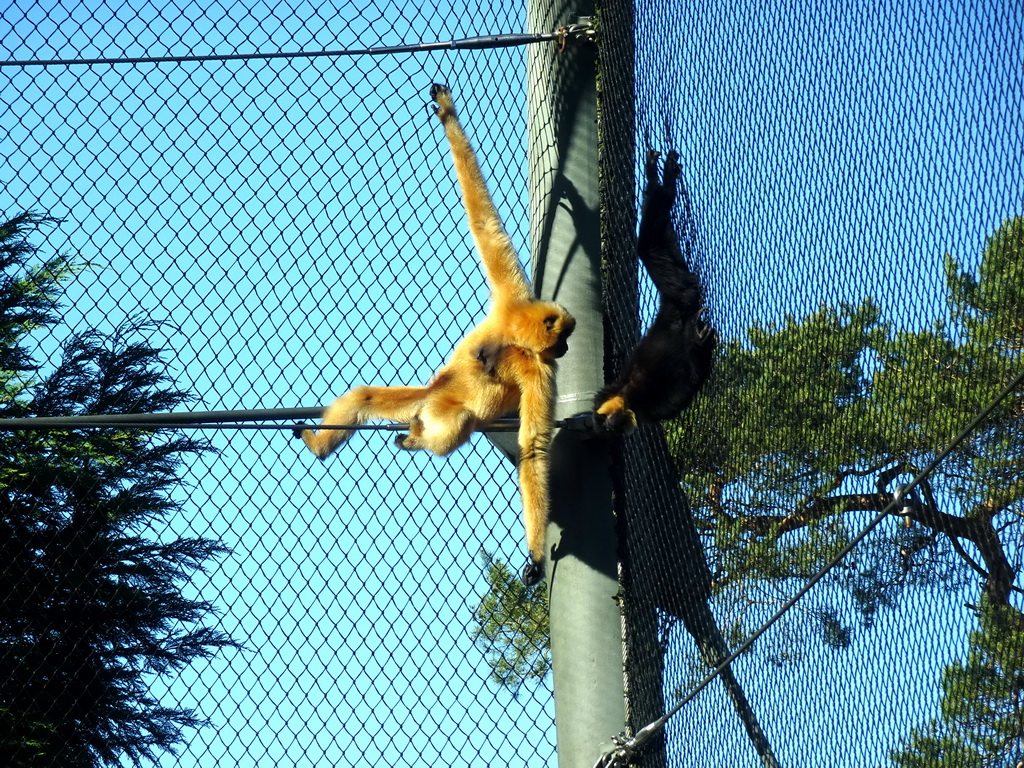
[296, 228]
[823, 139]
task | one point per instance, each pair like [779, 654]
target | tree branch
[762, 525]
[977, 528]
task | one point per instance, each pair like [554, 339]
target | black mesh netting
[852, 192]
[282, 229]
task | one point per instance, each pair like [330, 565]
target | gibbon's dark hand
[533, 573]
[438, 92]
[437, 89]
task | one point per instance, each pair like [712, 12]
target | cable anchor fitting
[583, 31]
[580, 422]
[624, 749]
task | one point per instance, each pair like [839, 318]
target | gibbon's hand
[532, 573]
[442, 96]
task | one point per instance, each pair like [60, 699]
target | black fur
[673, 359]
[532, 573]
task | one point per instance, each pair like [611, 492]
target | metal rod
[213, 420]
[162, 419]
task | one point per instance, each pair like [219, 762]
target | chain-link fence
[290, 227]
[293, 227]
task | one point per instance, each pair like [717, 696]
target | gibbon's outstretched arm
[516, 317]
[673, 359]
[505, 274]
[506, 363]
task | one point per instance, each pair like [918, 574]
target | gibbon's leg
[658, 246]
[357, 406]
[656, 242]
[441, 427]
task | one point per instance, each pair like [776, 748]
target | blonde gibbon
[506, 363]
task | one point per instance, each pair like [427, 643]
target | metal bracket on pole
[580, 422]
[583, 31]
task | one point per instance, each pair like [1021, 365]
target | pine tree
[91, 607]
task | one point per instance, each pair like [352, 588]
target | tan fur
[505, 363]
[618, 414]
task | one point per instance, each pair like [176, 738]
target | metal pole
[586, 626]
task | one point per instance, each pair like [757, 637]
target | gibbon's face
[561, 345]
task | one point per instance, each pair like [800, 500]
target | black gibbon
[505, 363]
[673, 359]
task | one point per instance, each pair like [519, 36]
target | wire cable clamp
[621, 754]
[583, 31]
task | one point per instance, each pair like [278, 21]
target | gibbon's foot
[408, 442]
[305, 435]
[414, 440]
[533, 573]
[615, 416]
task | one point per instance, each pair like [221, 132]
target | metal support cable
[621, 756]
[572, 33]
